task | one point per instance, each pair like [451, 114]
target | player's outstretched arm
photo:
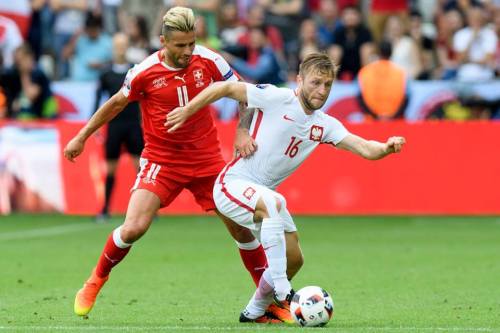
[217, 90]
[106, 112]
[370, 149]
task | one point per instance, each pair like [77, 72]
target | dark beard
[306, 102]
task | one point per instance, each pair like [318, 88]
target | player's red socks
[114, 251]
[254, 259]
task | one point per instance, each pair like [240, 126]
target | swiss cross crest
[248, 193]
[316, 133]
[160, 82]
[198, 77]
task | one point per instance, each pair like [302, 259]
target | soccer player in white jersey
[287, 127]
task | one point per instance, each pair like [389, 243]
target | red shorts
[167, 182]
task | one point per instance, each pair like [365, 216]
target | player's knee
[269, 205]
[133, 230]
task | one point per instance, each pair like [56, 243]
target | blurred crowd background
[382, 47]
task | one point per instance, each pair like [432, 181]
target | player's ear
[162, 40]
[299, 79]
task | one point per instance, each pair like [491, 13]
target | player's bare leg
[142, 207]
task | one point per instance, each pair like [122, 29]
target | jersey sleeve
[334, 131]
[266, 96]
[132, 87]
[220, 69]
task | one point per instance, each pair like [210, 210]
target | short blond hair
[178, 19]
[318, 63]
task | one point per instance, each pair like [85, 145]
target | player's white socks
[262, 297]
[273, 240]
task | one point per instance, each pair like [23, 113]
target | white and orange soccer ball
[311, 306]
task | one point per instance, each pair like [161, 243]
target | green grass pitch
[386, 274]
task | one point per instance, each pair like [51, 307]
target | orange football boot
[85, 297]
[282, 312]
[266, 318]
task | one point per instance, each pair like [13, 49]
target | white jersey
[285, 136]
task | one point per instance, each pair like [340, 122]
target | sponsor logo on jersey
[177, 77]
[160, 82]
[262, 86]
[287, 118]
[248, 193]
[198, 77]
[316, 133]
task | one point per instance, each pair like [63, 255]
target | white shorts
[237, 198]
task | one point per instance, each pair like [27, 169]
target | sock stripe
[118, 240]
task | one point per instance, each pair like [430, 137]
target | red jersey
[160, 89]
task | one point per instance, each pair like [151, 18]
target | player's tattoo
[245, 116]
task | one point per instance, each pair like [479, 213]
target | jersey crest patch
[160, 82]
[248, 193]
[198, 77]
[316, 133]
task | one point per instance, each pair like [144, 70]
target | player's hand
[73, 149]
[394, 144]
[175, 119]
[244, 144]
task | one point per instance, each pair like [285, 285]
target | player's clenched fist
[395, 144]
[73, 149]
[176, 118]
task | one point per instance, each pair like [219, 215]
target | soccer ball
[311, 306]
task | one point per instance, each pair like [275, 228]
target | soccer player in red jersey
[189, 158]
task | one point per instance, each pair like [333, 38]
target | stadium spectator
[111, 13]
[496, 22]
[308, 42]
[383, 99]
[475, 45]
[230, 27]
[69, 20]
[462, 6]
[286, 15]
[136, 28]
[327, 21]
[27, 88]
[188, 159]
[125, 128]
[10, 40]
[381, 10]
[202, 36]
[245, 191]
[256, 19]
[425, 46]
[404, 48]
[91, 51]
[353, 45]
[262, 65]
[448, 24]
